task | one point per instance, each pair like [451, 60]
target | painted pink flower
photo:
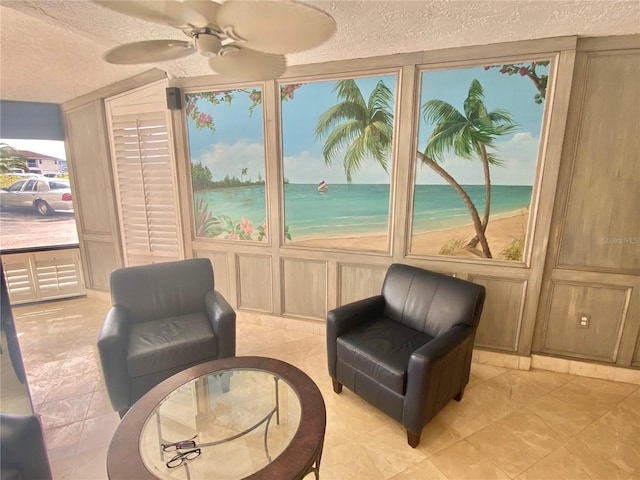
[246, 225]
[232, 236]
[204, 118]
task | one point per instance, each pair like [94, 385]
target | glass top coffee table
[234, 418]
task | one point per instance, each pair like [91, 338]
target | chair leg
[337, 386]
[413, 439]
[459, 396]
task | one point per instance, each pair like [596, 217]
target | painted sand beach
[501, 231]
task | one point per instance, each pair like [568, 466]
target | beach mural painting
[226, 144]
[478, 141]
[337, 142]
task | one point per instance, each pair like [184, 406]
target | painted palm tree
[244, 172]
[11, 159]
[468, 134]
[363, 128]
[366, 128]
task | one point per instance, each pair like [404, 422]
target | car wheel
[43, 207]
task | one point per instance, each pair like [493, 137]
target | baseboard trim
[554, 364]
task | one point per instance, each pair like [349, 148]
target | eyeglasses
[182, 444]
[182, 456]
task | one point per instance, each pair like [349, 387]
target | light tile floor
[511, 424]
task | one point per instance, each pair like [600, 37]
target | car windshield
[58, 185]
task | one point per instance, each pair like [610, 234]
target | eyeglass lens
[172, 447]
[182, 456]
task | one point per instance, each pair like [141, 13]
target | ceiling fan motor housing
[208, 44]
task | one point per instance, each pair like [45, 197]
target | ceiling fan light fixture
[208, 44]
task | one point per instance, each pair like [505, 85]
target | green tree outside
[11, 159]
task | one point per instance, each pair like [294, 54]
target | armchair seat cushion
[163, 344]
[381, 350]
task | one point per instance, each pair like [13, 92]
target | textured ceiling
[51, 51]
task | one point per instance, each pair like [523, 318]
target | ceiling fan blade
[275, 27]
[244, 64]
[149, 51]
[166, 12]
[208, 9]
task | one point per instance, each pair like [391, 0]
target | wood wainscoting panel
[604, 308]
[304, 286]
[221, 278]
[601, 222]
[636, 356]
[359, 281]
[89, 164]
[102, 261]
[253, 277]
[502, 313]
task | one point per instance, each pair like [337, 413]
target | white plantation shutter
[43, 275]
[20, 281]
[144, 167]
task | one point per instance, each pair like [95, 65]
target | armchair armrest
[223, 320]
[436, 350]
[113, 342]
[346, 317]
[435, 374]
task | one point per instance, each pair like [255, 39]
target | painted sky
[303, 160]
[518, 150]
[238, 140]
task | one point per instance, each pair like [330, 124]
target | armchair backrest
[162, 290]
[430, 302]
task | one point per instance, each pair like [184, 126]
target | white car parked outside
[45, 195]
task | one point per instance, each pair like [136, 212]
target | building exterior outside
[44, 164]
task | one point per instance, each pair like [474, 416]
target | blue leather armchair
[408, 350]
[165, 318]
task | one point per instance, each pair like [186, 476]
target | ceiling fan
[243, 39]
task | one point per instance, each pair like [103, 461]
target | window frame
[188, 163]
[397, 71]
[553, 58]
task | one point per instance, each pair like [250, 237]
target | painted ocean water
[360, 209]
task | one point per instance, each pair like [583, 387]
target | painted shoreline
[500, 233]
